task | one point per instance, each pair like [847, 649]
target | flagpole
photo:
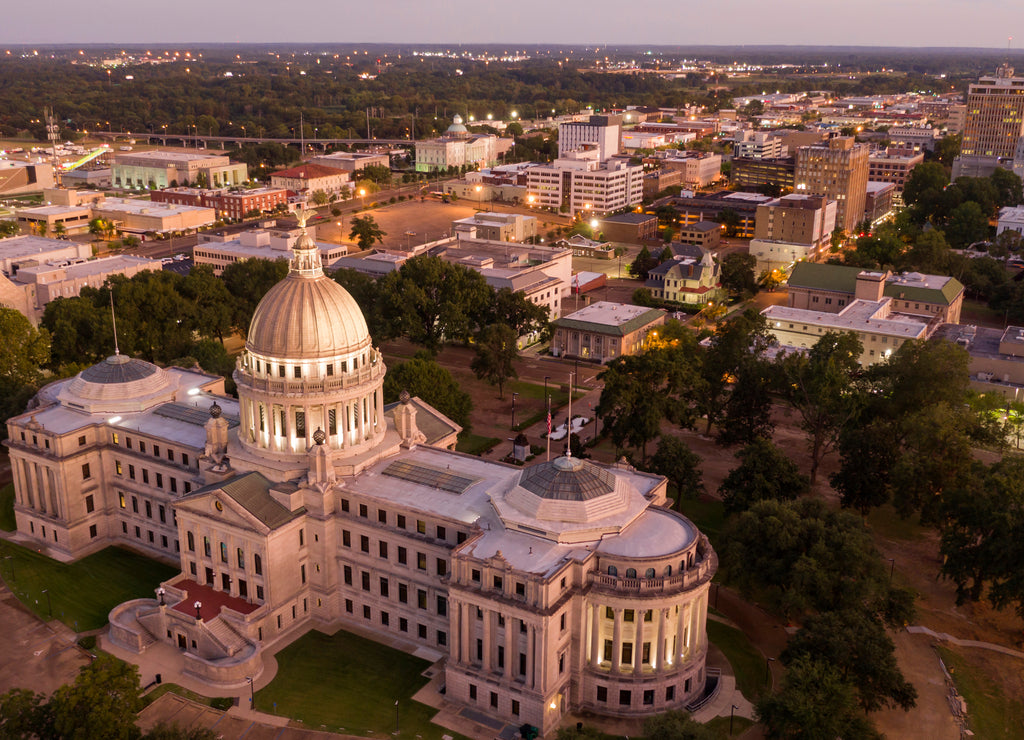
[568, 424]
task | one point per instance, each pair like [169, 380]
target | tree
[320, 198]
[515, 310]
[1007, 184]
[80, 330]
[819, 386]
[102, 703]
[429, 301]
[731, 221]
[747, 415]
[737, 274]
[866, 459]
[925, 177]
[676, 461]
[366, 232]
[59, 229]
[676, 725]
[9, 228]
[967, 224]
[764, 473]
[423, 377]
[209, 300]
[855, 643]
[947, 148]
[365, 290]
[496, 353]
[814, 702]
[247, 282]
[375, 173]
[800, 556]
[643, 264]
[26, 349]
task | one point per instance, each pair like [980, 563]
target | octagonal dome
[307, 318]
[568, 489]
[119, 383]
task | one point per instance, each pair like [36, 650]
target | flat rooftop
[101, 266]
[147, 207]
[31, 246]
[859, 316]
[162, 156]
[54, 210]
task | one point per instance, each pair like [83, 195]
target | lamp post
[768, 670]
[732, 713]
[396, 716]
[514, 396]
[362, 196]
[160, 595]
[49, 608]
[892, 568]
[198, 606]
[252, 694]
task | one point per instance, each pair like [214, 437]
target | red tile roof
[212, 600]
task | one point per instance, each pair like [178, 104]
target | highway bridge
[200, 141]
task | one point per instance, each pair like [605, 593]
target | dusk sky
[974, 23]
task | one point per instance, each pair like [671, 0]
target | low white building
[583, 184]
[456, 148]
[1011, 218]
[309, 178]
[504, 227]
[219, 252]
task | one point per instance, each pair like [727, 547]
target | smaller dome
[118, 369]
[457, 120]
[457, 126]
[567, 479]
[118, 384]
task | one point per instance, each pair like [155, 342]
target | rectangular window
[403, 624]
[472, 692]
[117, 467]
[115, 439]
[184, 459]
[120, 498]
[81, 441]
[494, 700]
[302, 573]
[156, 450]
[223, 552]
[442, 567]
[86, 472]
[403, 593]
[422, 630]
[240, 556]
[421, 598]
[348, 605]
[442, 534]
[348, 575]
[421, 526]
[145, 476]
[401, 521]
[174, 485]
[382, 516]
[382, 547]
[300, 424]
[131, 472]
[344, 504]
[332, 418]
[364, 579]
[364, 543]
[498, 583]
[384, 587]
[649, 697]
[475, 575]
[520, 588]
[188, 487]
[170, 455]
[89, 505]
[670, 693]
[135, 505]
[363, 511]
[385, 618]
[602, 693]
[625, 698]
[442, 606]
[421, 561]
[206, 546]
[402, 556]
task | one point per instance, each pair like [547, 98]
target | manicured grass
[81, 593]
[747, 661]
[475, 444]
[173, 688]
[7, 522]
[720, 726]
[349, 684]
[707, 513]
[886, 522]
[990, 713]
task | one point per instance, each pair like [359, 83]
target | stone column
[680, 632]
[41, 488]
[511, 654]
[662, 621]
[466, 636]
[638, 646]
[595, 636]
[617, 641]
[487, 641]
[531, 657]
[360, 418]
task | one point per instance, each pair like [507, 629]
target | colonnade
[617, 642]
[501, 644]
[37, 487]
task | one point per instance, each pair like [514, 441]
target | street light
[514, 396]
[362, 194]
[49, 608]
[731, 714]
[768, 670]
[892, 568]
[252, 694]
[198, 605]
[160, 595]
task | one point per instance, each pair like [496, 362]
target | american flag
[549, 422]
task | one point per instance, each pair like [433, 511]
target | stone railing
[680, 581]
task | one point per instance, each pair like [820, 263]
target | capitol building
[307, 502]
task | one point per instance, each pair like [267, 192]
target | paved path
[921, 630]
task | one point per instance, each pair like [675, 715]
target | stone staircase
[232, 642]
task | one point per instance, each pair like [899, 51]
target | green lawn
[173, 688]
[990, 713]
[81, 593]
[747, 661]
[7, 522]
[708, 514]
[349, 684]
[720, 725]
[475, 444]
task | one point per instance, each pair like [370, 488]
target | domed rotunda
[309, 364]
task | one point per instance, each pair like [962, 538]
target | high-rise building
[994, 123]
[600, 132]
[837, 169]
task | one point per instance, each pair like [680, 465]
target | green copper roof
[842, 279]
[619, 330]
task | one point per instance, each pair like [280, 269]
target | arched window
[668, 570]
[630, 572]
[191, 542]
[257, 564]
[612, 570]
[649, 573]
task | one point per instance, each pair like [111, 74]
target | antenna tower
[53, 134]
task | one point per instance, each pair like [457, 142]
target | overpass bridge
[199, 141]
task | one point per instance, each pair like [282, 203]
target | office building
[307, 179]
[994, 123]
[604, 330]
[234, 204]
[156, 170]
[583, 185]
[493, 226]
[839, 170]
[221, 250]
[600, 133]
[456, 148]
[792, 228]
[768, 174]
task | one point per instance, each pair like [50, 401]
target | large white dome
[307, 318]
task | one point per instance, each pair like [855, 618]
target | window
[344, 504]
[403, 624]
[174, 485]
[348, 605]
[520, 588]
[402, 555]
[86, 472]
[515, 708]
[442, 567]
[191, 541]
[348, 575]
[346, 538]
[257, 564]
[561, 622]
[120, 499]
[364, 543]
[363, 511]
[421, 561]
[170, 455]
[421, 598]
[298, 372]
[422, 631]
[670, 693]
[149, 509]
[602, 693]
[302, 573]
[364, 580]
[442, 534]
[184, 458]
[627, 653]
[442, 638]
[81, 441]
[382, 516]
[442, 606]
[625, 699]
[135, 505]
[156, 450]
[223, 552]
[421, 526]
[92, 531]
[384, 587]
[145, 476]
[385, 618]
[649, 696]
[117, 467]
[163, 514]
[401, 521]
[115, 438]
[498, 583]
[472, 692]
[300, 424]
[403, 593]
[494, 700]
[131, 472]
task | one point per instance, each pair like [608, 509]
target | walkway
[944, 637]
